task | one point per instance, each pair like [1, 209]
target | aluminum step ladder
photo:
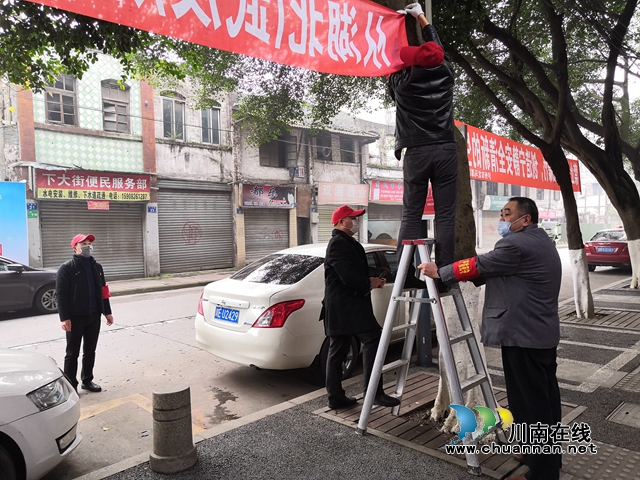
[445, 341]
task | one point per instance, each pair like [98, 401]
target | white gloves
[414, 9]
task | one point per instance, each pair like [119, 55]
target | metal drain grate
[626, 414]
[629, 383]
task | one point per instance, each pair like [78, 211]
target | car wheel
[349, 364]
[7, 467]
[592, 268]
[45, 300]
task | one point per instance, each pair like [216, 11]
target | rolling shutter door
[381, 212]
[119, 245]
[266, 231]
[195, 230]
[325, 227]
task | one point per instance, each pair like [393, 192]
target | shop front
[195, 225]
[107, 205]
[331, 196]
[269, 214]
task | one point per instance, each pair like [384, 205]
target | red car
[608, 248]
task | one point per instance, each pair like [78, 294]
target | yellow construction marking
[137, 399]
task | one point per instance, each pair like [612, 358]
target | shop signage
[386, 191]
[86, 185]
[358, 37]
[494, 202]
[342, 193]
[547, 214]
[497, 159]
[268, 196]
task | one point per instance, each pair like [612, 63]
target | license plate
[606, 249]
[226, 314]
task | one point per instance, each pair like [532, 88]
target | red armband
[105, 292]
[465, 269]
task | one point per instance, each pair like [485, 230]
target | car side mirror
[15, 267]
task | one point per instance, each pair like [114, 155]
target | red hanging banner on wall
[355, 37]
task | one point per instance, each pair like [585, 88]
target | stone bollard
[173, 448]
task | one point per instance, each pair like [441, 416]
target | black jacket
[424, 102]
[347, 293]
[73, 292]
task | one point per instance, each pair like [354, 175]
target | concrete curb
[159, 288]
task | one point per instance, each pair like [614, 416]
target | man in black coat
[83, 296]
[423, 94]
[347, 307]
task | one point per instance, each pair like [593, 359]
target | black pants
[338, 351]
[534, 396]
[438, 164]
[85, 329]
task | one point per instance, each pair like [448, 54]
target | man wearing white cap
[83, 297]
[347, 309]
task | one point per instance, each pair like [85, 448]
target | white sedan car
[267, 314]
[39, 413]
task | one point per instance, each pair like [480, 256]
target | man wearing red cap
[83, 296]
[423, 94]
[347, 308]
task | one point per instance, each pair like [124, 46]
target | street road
[152, 344]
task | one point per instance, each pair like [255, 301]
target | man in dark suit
[83, 297]
[347, 307]
[520, 316]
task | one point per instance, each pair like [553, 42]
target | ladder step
[404, 326]
[473, 382]
[413, 299]
[460, 337]
[393, 365]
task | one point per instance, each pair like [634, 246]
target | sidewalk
[167, 282]
[599, 373]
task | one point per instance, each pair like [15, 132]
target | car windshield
[279, 269]
[609, 235]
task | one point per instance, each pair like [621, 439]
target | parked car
[24, 287]
[267, 314]
[39, 413]
[608, 248]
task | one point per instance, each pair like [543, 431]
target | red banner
[355, 37]
[497, 159]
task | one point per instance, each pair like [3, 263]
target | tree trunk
[583, 298]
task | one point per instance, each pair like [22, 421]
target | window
[281, 153]
[60, 101]
[211, 125]
[539, 194]
[492, 188]
[516, 190]
[323, 148]
[347, 153]
[505, 189]
[173, 116]
[278, 269]
[115, 106]
[557, 195]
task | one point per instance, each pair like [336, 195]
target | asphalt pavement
[599, 368]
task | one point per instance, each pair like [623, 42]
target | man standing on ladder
[520, 316]
[347, 308]
[423, 94]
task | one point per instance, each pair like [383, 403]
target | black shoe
[343, 402]
[92, 387]
[385, 400]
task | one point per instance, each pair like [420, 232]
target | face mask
[85, 250]
[504, 228]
